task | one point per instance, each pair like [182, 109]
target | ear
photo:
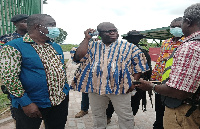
[36, 26]
[100, 34]
[188, 22]
[14, 23]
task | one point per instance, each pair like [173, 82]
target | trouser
[85, 105]
[122, 106]
[135, 103]
[85, 102]
[110, 110]
[54, 117]
[176, 119]
[135, 100]
[159, 108]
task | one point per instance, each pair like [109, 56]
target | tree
[61, 38]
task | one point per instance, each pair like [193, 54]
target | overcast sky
[75, 16]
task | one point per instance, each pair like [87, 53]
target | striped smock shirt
[109, 69]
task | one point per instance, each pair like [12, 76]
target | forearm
[81, 50]
[172, 92]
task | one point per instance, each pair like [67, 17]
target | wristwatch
[153, 88]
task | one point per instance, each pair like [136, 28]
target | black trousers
[160, 108]
[110, 110]
[54, 117]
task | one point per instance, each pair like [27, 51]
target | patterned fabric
[167, 48]
[14, 64]
[109, 69]
[10, 69]
[8, 37]
[54, 70]
[185, 71]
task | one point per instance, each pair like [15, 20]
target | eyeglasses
[109, 31]
[189, 19]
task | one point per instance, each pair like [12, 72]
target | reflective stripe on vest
[168, 65]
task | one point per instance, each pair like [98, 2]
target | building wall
[9, 8]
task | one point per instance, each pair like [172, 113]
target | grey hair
[36, 19]
[102, 26]
[193, 12]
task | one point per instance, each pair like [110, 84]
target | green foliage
[68, 47]
[145, 45]
[4, 101]
[61, 38]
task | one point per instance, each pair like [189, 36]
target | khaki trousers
[122, 106]
[176, 119]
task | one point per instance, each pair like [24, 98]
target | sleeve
[155, 71]
[10, 60]
[73, 51]
[139, 61]
[185, 69]
[2, 41]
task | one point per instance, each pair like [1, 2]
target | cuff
[24, 100]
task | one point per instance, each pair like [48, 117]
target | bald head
[104, 26]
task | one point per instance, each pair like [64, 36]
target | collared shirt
[185, 71]
[167, 48]
[109, 69]
[33, 72]
[8, 37]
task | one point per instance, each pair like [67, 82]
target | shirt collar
[193, 35]
[28, 39]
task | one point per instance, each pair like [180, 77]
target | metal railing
[9, 8]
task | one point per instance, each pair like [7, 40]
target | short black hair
[36, 19]
[102, 26]
[133, 33]
[177, 19]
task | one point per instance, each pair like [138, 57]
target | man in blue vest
[33, 71]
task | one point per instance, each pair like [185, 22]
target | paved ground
[143, 120]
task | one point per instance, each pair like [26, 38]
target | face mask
[177, 31]
[54, 32]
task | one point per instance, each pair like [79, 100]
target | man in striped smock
[111, 67]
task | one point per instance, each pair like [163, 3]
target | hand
[87, 36]
[145, 85]
[131, 89]
[164, 59]
[32, 111]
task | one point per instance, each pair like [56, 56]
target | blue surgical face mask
[177, 31]
[54, 32]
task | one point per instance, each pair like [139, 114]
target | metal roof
[158, 33]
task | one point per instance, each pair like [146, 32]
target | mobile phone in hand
[95, 33]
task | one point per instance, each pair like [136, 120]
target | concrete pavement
[143, 120]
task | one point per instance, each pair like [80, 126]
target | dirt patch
[5, 115]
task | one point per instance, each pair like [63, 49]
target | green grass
[4, 101]
[68, 47]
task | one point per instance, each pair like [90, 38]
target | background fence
[9, 8]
